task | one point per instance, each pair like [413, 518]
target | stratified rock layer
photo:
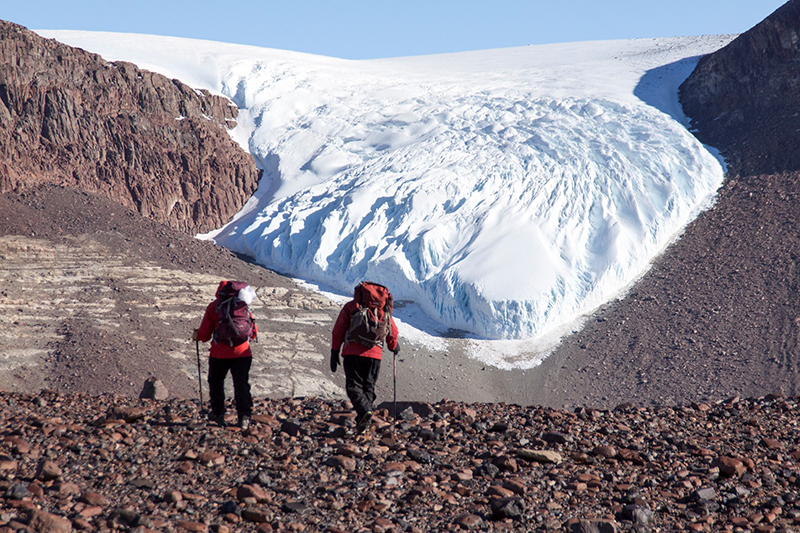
[150, 143]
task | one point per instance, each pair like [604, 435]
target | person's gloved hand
[396, 348]
[194, 335]
[334, 359]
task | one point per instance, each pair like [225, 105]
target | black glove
[396, 348]
[334, 359]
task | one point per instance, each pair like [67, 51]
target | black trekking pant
[361, 375]
[239, 368]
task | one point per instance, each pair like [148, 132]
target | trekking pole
[199, 375]
[394, 400]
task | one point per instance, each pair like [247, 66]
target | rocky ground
[101, 463]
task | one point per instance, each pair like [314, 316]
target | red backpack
[372, 322]
[234, 321]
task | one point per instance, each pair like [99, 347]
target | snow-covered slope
[507, 192]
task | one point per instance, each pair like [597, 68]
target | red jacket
[206, 333]
[353, 348]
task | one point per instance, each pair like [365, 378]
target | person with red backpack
[362, 328]
[229, 325]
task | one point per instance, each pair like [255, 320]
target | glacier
[505, 192]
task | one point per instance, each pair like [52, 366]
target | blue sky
[362, 29]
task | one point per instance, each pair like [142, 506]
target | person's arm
[337, 337]
[208, 324]
[340, 327]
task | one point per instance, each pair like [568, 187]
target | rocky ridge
[152, 144]
[101, 463]
[745, 98]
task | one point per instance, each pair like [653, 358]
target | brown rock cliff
[150, 143]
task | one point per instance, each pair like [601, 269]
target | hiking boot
[217, 419]
[363, 423]
[244, 422]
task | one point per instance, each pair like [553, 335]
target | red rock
[90, 511]
[47, 470]
[252, 514]
[506, 464]
[517, 486]
[195, 527]
[252, 491]
[81, 524]
[128, 414]
[346, 463]
[36, 490]
[463, 491]
[577, 487]
[540, 456]
[211, 458]
[44, 522]
[499, 492]
[67, 488]
[468, 521]
[93, 498]
[365, 505]
[394, 467]
[629, 455]
[605, 451]
[18, 445]
[233, 518]
[464, 475]
[729, 466]
[382, 524]
[173, 496]
[349, 450]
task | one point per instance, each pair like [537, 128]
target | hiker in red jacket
[364, 324]
[229, 325]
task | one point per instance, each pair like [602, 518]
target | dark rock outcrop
[745, 98]
[153, 144]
